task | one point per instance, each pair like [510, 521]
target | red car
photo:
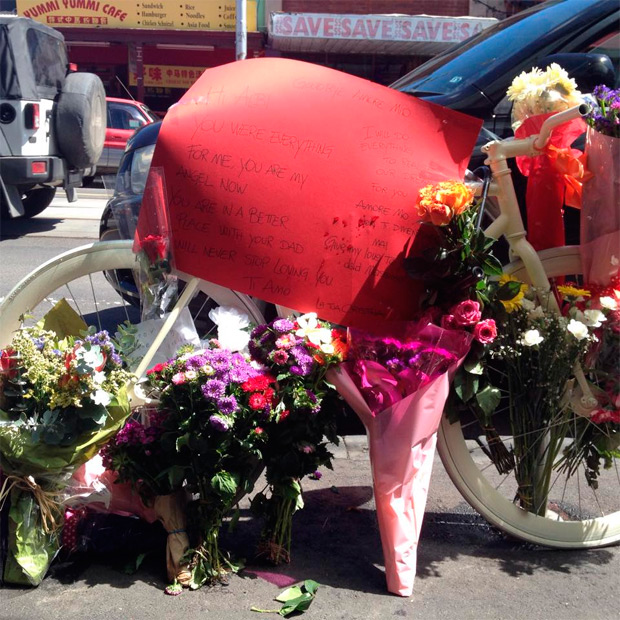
[124, 116]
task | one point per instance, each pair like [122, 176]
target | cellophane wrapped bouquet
[600, 216]
[61, 398]
[298, 352]
[398, 380]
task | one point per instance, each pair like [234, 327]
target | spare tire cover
[81, 119]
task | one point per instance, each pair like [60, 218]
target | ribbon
[554, 179]
[48, 501]
[571, 165]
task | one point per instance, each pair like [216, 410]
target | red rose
[466, 313]
[155, 247]
[486, 331]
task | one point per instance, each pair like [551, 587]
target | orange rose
[439, 203]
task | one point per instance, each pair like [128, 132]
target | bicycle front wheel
[98, 282]
[578, 515]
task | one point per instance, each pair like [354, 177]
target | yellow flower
[573, 291]
[512, 304]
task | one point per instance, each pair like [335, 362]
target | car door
[123, 120]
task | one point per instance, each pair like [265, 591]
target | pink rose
[486, 331]
[178, 378]
[466, 313]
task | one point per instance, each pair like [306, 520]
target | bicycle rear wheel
[577, 516]
[98, 282]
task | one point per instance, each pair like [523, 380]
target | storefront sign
[376, 27]
[167, 76]
[165, 14]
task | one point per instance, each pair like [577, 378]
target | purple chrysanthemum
[196, 361]
[227, 404]
[283, 325]
[219, 423]
[213, 388]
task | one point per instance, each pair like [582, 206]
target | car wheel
[36, 200]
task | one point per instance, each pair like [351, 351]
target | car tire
[81, 119]
[36, 200]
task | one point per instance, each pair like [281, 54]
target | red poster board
[297, 184]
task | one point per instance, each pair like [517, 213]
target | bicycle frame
[509, 223]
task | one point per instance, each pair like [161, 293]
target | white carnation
[577, 329]
[593, 318]
[609, 303]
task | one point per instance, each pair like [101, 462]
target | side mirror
[588, 70]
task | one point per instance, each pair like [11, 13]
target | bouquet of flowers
[557, 173]
[531, 361]
[540, 91]
[298, 352]
[61, 398]
[208, 429]
[398, 381]
[600, 217]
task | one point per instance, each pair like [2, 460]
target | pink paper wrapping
[600, 211]
[402, 441]
[93, 485]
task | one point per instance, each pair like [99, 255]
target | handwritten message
[297, 184]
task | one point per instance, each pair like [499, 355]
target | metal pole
[241, 38]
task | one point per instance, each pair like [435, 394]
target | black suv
[473, 77]
[52, 120]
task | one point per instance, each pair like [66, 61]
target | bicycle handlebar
[558, 119]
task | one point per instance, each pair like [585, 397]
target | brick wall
[360, 7]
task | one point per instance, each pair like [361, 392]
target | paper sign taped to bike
[297, 184]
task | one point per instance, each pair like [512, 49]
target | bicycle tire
[496, 507]
[84, 262]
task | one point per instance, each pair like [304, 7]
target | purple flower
[259, 330]
[221, 359]
[213, 388]
[283, 325]
[219, 423]
[196, 361]
[227, 404]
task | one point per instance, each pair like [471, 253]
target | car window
[122, 116]
[609, 45]
[48, 57]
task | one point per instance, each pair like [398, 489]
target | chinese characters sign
[168, 76]
[162, 15]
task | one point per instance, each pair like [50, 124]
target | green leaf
[182, 441]
[299, 604]
[492, 266]
[473, 367]
[508, 290]
[225, 484]
[234, 520]
[465, 385]
[488, 399]
[311, 586]
[289, 594]
[199, 576]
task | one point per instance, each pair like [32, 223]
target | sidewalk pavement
[466, 569]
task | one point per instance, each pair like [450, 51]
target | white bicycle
[581, 516]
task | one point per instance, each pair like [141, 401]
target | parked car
[124, 116]
[473, 76]
[52, 120]
[581, 35]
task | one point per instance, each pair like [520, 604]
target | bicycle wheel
[97, 281]
[577, 516]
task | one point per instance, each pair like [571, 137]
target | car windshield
[467, 63]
